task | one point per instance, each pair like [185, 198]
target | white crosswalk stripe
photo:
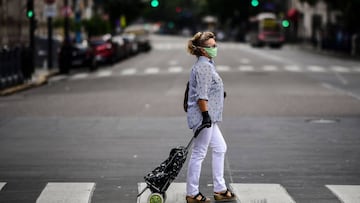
[246, 68]
[256, 193]
[175, 69]
[2, 184]
[292, 68]
[152, 70]
[316, 69]
[133, 71]
[222, 68]
[67, 193]
[79, 76]
[104, 73]
[346, 193]
[82, 192]
[261, 193]
[270, 68]
[340, 69]
[128, 71]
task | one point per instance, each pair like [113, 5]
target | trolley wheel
[156, 198]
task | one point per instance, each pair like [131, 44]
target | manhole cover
[323, 121]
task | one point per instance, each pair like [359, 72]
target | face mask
[211, 51]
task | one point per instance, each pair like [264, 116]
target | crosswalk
[257, 193]
[82, 192]
[243, 68]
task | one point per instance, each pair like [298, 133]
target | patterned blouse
[204, 83]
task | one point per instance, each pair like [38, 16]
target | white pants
[208, 137]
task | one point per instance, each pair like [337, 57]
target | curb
[40, 80]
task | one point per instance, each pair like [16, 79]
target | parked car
[131, 45]
[76, 55]
[120, 48]
[104, 50]
[142, 36]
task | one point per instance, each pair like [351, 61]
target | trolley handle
[197, 132]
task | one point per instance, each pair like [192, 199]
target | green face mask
[211, 51]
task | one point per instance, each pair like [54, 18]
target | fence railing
[15, 66]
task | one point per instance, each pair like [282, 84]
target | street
[291, 123]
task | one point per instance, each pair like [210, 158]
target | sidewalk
[39, 78]
[309, 47]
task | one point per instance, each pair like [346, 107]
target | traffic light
[154, 3]
[30, 13]
[285, 23]
[255, 3]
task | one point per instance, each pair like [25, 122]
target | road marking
[340, 69]
[222, 68]
[246, 68]
[270, 68]
[346, 193]
[104, 73]
[67, 193]
[2, 185]
[176, 193]
[292, 68]
[261, 193]
[316, 69]
[152, 70]
[128, 71]
[326, 85]
[79, 76]
[175, 69]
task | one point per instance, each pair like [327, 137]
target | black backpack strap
[186, 96]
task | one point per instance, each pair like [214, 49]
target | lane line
[326, 85]
[261, 193]
[346, 193]
[66, 193]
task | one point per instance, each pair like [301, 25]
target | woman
[205, 106]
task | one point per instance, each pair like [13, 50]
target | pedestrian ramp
[256, 193]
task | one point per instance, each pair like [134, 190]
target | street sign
[49, 1]
[50, 10]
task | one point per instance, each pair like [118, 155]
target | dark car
[77, 55]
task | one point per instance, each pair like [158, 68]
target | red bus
[265, 29]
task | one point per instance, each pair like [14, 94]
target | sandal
[203, 199]
[225, 196]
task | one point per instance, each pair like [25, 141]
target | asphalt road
[291, 118]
